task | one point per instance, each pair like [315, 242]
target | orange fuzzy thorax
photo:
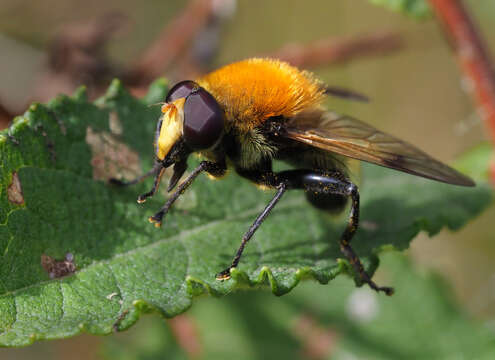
[253, 90]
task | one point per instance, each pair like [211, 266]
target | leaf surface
[421, 321]
[54, 199]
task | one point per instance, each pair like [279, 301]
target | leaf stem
[472, 56]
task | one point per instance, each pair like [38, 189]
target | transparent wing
[353, 138]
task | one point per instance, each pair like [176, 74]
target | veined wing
[353, 138]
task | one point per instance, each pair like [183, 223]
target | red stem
[5, 117]
[338, 50]
[472, 56]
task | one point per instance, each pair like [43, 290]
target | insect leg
[318, 183]
[179, 170]
[266, 178]
[224, 275]
[215, 169]
[336, 183]
[156, 168]
[156, 183]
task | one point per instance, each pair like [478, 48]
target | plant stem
[338, 50]
[172, 41]
[5, 117]
[472, 56]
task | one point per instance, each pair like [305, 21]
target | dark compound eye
[203, 120]
[180, 90]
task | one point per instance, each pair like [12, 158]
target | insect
[259, 110]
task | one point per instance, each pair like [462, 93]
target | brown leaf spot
[111, 158]
[14, 191]
[58, 268]
[368, 225]
[114, 123]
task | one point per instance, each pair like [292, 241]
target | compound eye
[180, 90]
[203, 120]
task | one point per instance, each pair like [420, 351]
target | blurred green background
[417, 94]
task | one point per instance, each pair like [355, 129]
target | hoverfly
[259, 110]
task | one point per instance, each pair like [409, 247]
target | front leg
[215, 169]
[157, 170]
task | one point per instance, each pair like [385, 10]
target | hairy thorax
[254, 90]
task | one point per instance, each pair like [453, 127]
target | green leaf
[476, 162]
[416, 8]
[337, 322]
[54, 200]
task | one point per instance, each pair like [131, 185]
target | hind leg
[337, 184]
[331, 186]
[332, 203]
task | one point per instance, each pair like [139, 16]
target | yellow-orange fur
[253, 90]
